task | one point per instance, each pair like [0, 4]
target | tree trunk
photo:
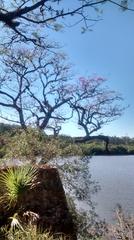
[21, 117]
[89, 138]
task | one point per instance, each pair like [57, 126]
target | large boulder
[47, 199]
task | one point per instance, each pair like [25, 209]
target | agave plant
[15, 181]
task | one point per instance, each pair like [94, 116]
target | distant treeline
[16, 143]
[4, 127]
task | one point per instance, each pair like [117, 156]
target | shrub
[131, 149]
[30, 144]
[97, 151]
[72, 150]
[24, 144]
[50, 150]
[92, 148]
[65, 139]
[4, 128]
[85, 149]
[119, 149]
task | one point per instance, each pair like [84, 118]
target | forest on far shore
[32, 144]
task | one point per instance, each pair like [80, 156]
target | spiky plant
[14, 182]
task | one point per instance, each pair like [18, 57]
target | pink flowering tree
[36, 88]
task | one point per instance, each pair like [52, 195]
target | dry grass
[123, 229]
[29, 233]
[19, 231]
[32, 234]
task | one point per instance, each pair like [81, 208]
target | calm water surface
[115, 175]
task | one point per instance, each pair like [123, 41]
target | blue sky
[108, 51]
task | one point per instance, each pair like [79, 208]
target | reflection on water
[116, 177]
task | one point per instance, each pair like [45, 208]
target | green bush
[86, 150]
[4, 128]
[119, 149]
[24, 144]
[97, 151]
[131, 149]
[72, 150]
[27, 145]
[92, 148]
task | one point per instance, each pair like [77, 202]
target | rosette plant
[14, 182]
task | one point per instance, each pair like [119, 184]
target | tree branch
[120, 5]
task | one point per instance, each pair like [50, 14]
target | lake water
[115, 175]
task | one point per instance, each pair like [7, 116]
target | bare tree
[32, 86]
[24, 16]
[37, 85]
[55, 127]
[94, 106]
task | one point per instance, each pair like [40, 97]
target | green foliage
[33, 144]
[96, 148]
[131, 149]
[72, 150]
[92, 148]
[65, 140]
[2, 151]
[24, 144]
[27, 145]
[14, 182]
[7, 127]
[86, 149]
[119, 149]
[97, 151]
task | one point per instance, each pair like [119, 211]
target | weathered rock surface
[48, 200]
